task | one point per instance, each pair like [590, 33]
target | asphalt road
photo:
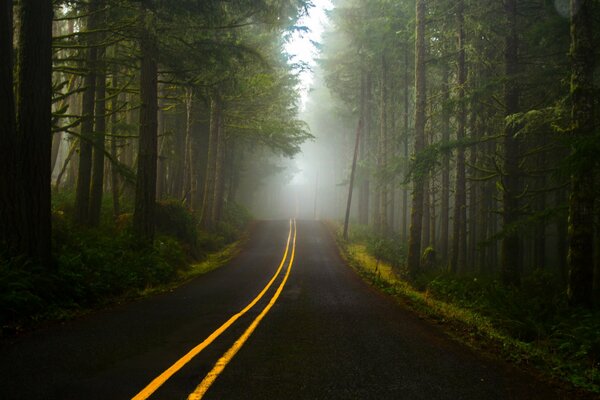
[327, 336]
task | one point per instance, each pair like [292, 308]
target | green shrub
[174, 219]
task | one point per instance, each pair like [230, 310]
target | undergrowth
[528, 325]
[94, 267]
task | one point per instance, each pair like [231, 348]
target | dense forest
[478, 137]
[477, 147]
[127, 129]
[457, 140]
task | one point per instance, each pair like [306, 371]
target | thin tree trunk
[84, 173]
[363, 193]
[414, 241]
[187, 170]
[145, 193]
[459, 238]
[383, 143]
[473, 192]
[113, 148]
[351, 185]
[209, 188]
[219, 169]
[445, 170]
[406, 136]
[99, 139]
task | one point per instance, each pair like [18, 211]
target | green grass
[530, 326]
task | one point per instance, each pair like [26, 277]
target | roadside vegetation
[103, 265]
[531, 325]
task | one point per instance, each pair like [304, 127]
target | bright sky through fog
[301, 48]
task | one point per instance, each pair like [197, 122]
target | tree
[511, 253]
[582, 197]
[416, 220]
[145, 188]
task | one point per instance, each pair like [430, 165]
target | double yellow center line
[201, 389]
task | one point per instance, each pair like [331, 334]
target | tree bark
[221, 149]
[580, 259]
[414, 241]
[445, 170]
[206, 220]
[511, 252]
[459, 238]
[97, 184]
[8, 135]
[84, 173]
[145, 193]
[406, 136]
[113, 148]
[35, 127]
[363, 192]
[382, 153]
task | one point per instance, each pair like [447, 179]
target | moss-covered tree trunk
[145, 189]
[416, 218]
[581, 201]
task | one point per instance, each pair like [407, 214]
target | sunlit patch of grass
[213, 261]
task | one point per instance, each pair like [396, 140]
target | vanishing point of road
[285, 319]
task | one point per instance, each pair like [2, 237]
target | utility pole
[352, 173]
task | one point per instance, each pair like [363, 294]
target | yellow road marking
[162, 378]
[209, 379]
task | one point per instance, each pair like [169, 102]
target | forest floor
[563, 358]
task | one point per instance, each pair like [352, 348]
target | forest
[127, 130]
[454, 143]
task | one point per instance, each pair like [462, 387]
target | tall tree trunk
[581, 201]
[382, 153]
[145, 190]
[511, 252]
[9, 193]
[35, 127]
[363, 192]
[459, 238]
[99, 139]
[84, 173]
[217, 209]
[445, 170]
[405, 141]
[414, 241]
[473, 190]
[206, 220]
[113, 147]
[187, 171]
